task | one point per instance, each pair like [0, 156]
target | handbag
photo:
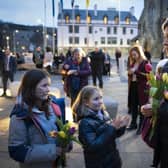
[146, 132]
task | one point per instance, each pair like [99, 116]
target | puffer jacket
[28, 143]
[98, 141]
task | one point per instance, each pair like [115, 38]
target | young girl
[32, 119]
[97, 132]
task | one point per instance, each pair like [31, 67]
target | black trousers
[7, 75]
[97, 74]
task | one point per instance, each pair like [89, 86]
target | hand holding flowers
[64, 138]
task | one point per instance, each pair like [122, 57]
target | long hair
[28, 86]
[139, 50]
[79, 107]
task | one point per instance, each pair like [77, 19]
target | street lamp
[7, 42]
[14, 40]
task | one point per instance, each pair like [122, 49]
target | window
[102, 40]
[100, 29]
[109, 40]
[131, 31]
[90, 30]
[70, 40]
[76, 29]
[67, 19]
[85, 40]
[127, 20]
[105, 20]
[128, 41]
[116, 20]
[124, 30]
[121, 41]
[89, 19]
[70, 29]
[114, 40]
[77, 19]
[108, 30]
[115, 30]
[76, 40]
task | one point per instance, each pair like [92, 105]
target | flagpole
[73, 21]
[87, 27]
[44, 28]
[53, 30]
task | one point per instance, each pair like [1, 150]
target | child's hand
[117, 122]
[124, 121]
[146, 110]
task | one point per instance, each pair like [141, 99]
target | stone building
[150, 34]
[104, 28]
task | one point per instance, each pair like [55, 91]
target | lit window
[67, 19]
[77, 19]
[127, 20]
[88, 19]
[105, 20]
[116, 20]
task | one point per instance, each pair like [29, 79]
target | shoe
[131, 127]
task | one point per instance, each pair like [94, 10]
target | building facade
[150, 34]
[104, 28]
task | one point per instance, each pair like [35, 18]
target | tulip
[62, 134]
[165, 77]
[148, 67]
[166, 94]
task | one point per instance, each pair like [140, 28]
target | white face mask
[42, 89]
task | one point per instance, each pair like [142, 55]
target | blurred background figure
[97, 64]
[48, 60]
[38, 57]
[147, 52]
[117, 56]
[107, 63]
[8, 69]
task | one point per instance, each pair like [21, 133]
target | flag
[53, 8]
[61, 4]
[87, 3]
[72, 3]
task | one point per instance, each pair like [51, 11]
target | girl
[32, 119]
[97, 132]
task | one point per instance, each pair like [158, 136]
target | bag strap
[56, 109]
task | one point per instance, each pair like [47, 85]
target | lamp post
[14, 40]
[7, 42]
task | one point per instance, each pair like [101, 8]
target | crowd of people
[34, 113]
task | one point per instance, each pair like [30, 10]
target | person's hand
[66, 66]
[124, 121]
[146, 110]
[70, 72]
[117, 122]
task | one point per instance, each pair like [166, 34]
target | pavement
[134, 152]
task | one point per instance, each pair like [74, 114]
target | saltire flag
[87, 3]
[53, 8]
[72, 3]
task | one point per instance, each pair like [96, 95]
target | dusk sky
[31, 12]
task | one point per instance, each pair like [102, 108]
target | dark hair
[28, 86]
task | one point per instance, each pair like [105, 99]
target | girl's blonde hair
[139, 50]
[79, 107]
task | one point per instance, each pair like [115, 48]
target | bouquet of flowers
[158, 91]
[64, 138]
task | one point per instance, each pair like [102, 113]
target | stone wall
[150, 35]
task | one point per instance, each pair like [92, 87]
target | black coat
[98, 141]
[161, 149]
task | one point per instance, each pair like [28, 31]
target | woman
[77, 71]
[138, 88]
[32, 119]
[97, 132]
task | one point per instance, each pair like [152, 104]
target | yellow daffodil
[62, 134]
